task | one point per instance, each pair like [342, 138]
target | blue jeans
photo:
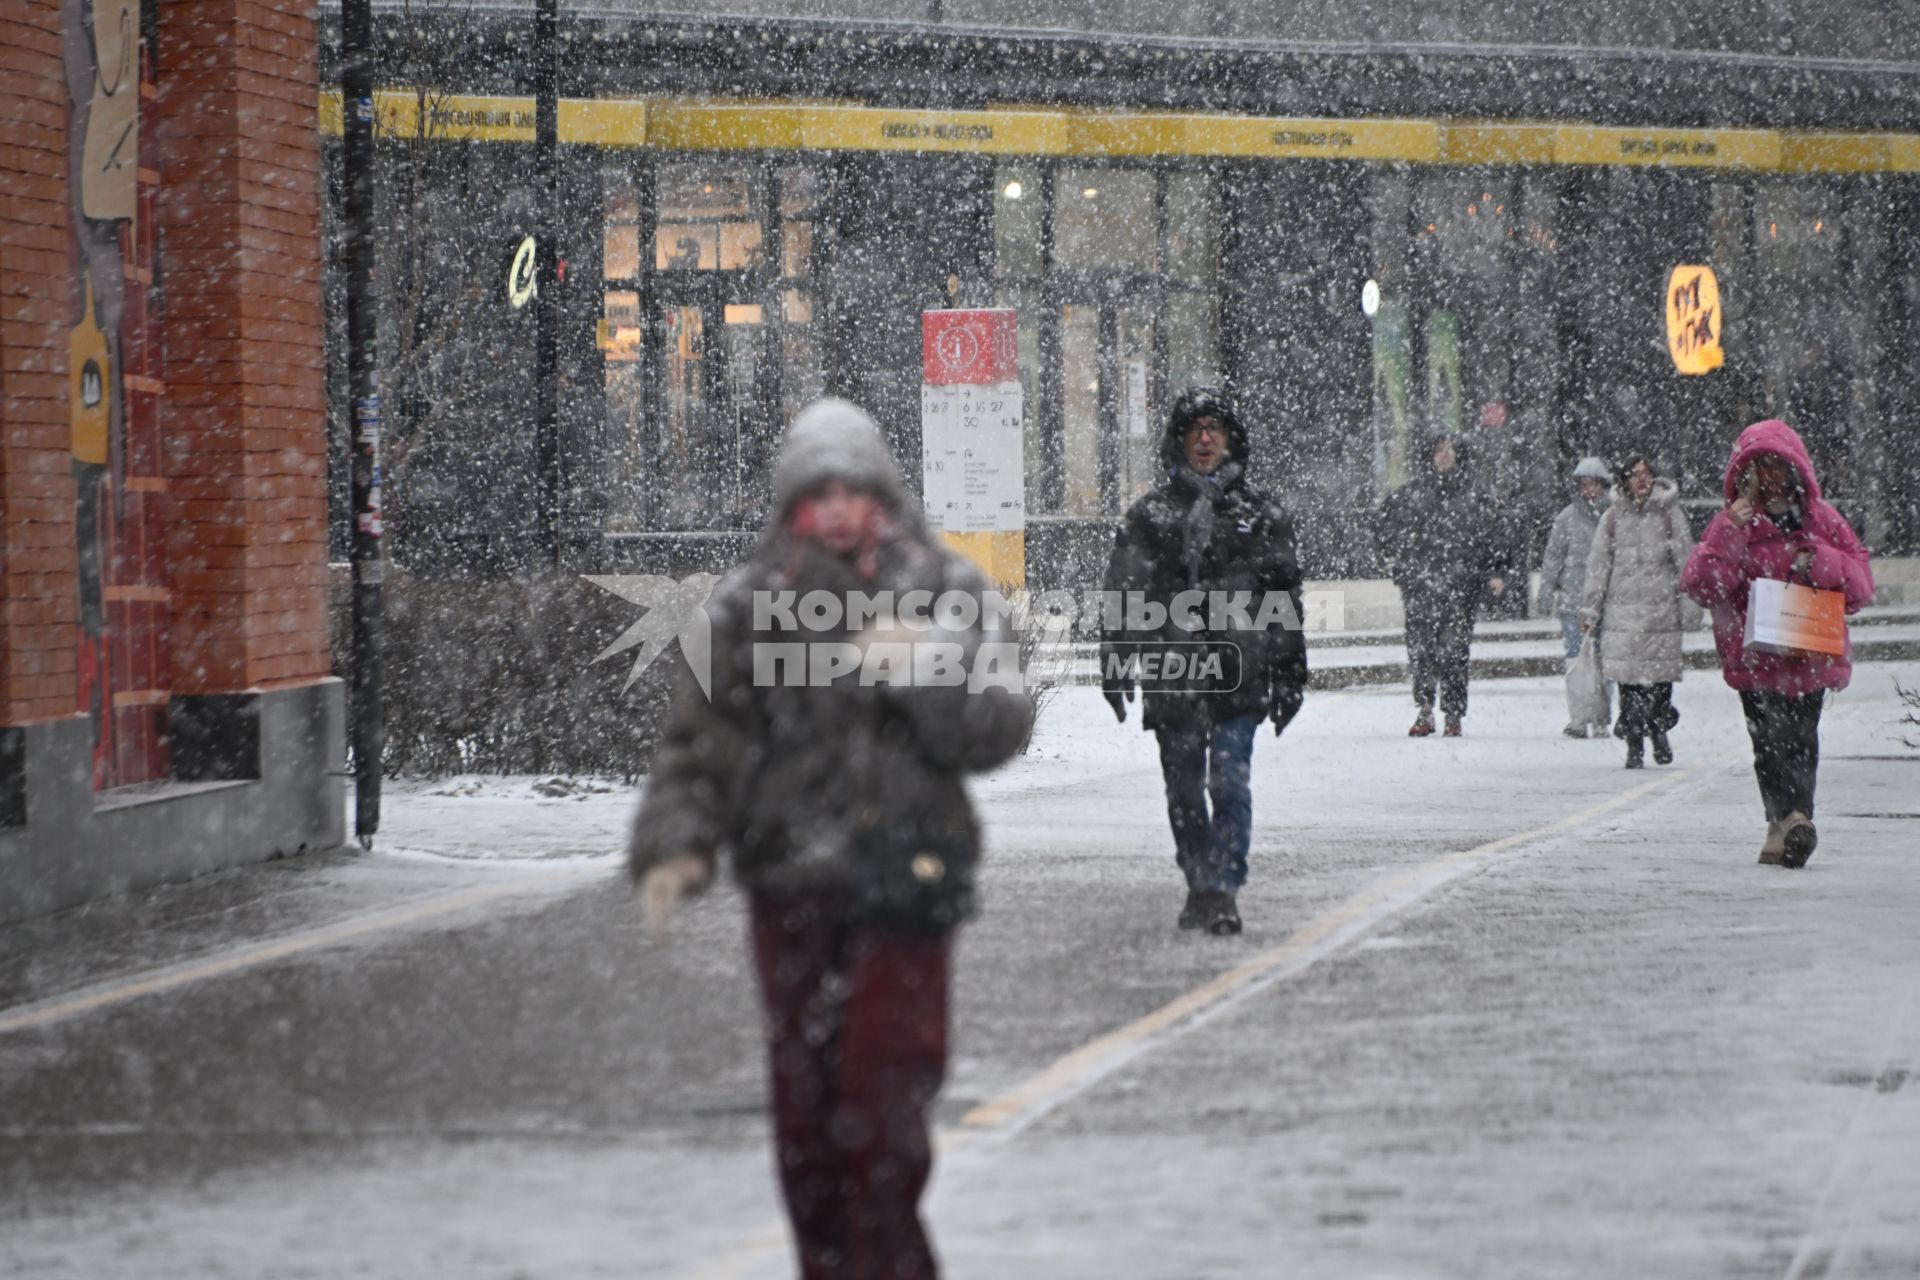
[1570, 633]
[1198, 767]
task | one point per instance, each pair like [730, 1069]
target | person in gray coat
[1563, 571]
[1632, 595]
[838, 797]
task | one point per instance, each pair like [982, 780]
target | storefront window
[707, 220]
[1193, 228]
[803, 378]
[622, 351]
[1193, 340]
[1105, 220]
[1019, 247]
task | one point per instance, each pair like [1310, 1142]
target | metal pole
[546, 147]
[363, 363]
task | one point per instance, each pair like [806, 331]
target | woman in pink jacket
[1776, 525]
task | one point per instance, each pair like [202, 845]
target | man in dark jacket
[1206, 585]
[841, 804]
[1440, 545]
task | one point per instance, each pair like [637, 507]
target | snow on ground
[505, 820]
[1615, 1047]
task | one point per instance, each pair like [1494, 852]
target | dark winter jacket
[835, 785]
[1728, 559]
[1438, 536]
[1221, 539]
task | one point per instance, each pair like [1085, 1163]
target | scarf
[1209, 491]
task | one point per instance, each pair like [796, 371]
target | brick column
[246, 446]
[39, 600]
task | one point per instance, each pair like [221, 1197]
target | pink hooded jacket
[1728, 558]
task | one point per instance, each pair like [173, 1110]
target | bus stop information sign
[972, 433]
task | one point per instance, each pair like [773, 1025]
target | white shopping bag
[1787, 618]
[1586, 686]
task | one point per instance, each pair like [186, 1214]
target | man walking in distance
[1439, 540]
[1200, 541]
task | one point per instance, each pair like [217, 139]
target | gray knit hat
[834, 439]
[1592, 468]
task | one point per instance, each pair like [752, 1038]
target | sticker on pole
[972, 421]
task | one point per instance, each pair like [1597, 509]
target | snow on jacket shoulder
[1729, 559]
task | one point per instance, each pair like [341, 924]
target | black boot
[1662, 749]
[1194, 914]
[1223, 914]
[1636, 759]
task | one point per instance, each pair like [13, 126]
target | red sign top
[970, 348]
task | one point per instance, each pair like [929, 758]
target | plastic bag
[1586, 686]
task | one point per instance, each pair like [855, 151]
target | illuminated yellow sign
[520, 275]
[1694, 319]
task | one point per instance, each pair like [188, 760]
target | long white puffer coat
[1633, 585]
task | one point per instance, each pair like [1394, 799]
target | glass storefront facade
[1351, 308]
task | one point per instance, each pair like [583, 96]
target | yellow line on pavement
[1313, 941]
[1082, 1068]
[105, 995]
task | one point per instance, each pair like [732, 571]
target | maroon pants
[857, 1048]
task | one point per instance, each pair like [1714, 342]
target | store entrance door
[714, 406]
[1109, 384]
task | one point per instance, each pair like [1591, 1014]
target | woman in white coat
[1632, 594]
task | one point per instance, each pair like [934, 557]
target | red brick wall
[246, 399]
[39, 600]
[241, 376]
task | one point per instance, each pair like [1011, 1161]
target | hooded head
[1592, 468]
[829, 440]
[1189, 407]
[1776, 437]
[833, 440]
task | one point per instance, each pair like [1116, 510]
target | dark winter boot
[1636, 753]
[1194, 914]
[1223, 914]
[1662, 749]
[1798, 839]
[1422, 724]
[1774, 847]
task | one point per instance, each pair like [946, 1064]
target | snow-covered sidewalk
[1501, 1009]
